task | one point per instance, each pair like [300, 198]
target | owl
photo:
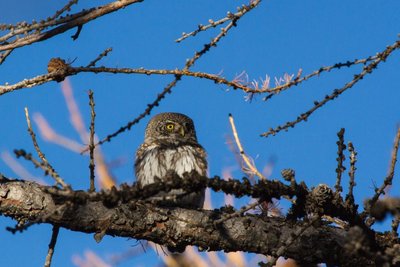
[170, 144]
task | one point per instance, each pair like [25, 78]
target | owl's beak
[182, 131]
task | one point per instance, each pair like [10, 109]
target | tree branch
[66, 23]
[178, 227]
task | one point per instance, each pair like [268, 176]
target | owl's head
[170, 128]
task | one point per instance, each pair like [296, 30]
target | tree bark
[177, 227]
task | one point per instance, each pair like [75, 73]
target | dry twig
[91, 142]
[99, 57]
[4, 55]
[340, 159]
[62, 24]
[212, 24]
[67, 7]
[316, 73]
[352, 172]
[46, 164]
[389, 178]
[52, 246]
[380, 57]
[188, 65]
[249, 164]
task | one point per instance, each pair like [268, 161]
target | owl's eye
[170, 127]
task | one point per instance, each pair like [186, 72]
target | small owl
[170, 144]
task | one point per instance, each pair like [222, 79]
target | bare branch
[352, 173]
[340, 159]
[67, 7]
[91, 142]
[4, 55]
[163, 225]
[212, 24]
[52, 246]
[389, 178]
[249, 164]
[65, 23]
[251, 88]
[189, 63]
[28, 83]
[28, 156]
[46, 163]
[380, 57]
[316, 73]
[103, 54]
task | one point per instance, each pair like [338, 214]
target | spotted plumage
[170, 144]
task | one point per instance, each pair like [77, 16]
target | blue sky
[276, 38]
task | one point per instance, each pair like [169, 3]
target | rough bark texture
[177, 227]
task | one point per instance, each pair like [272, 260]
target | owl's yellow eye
[170, 127]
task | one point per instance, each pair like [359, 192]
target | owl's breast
[156, 161]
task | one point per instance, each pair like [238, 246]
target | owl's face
[170, 128]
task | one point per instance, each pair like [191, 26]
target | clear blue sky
[277, 37]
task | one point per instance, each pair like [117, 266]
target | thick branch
[178, 227]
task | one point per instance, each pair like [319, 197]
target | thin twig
[103, 176]
[97, 59]
[28, 156]
[50, 169]
[52, 246]
[212, 24]
[337, 92]
[67, 7]
[20, 227]
[340, 159]
[146, 112]
[245, 158]
[189, 63]
[4, 55]
[352, 173]
[91, 142]
[78, 32]
[316, 73]
[389, 178]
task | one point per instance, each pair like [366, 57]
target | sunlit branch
[64, 24]
[91, 141]
[46, 163]
[52, 246]
[381, 57]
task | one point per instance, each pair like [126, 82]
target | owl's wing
[201, 155]
[140, 154]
